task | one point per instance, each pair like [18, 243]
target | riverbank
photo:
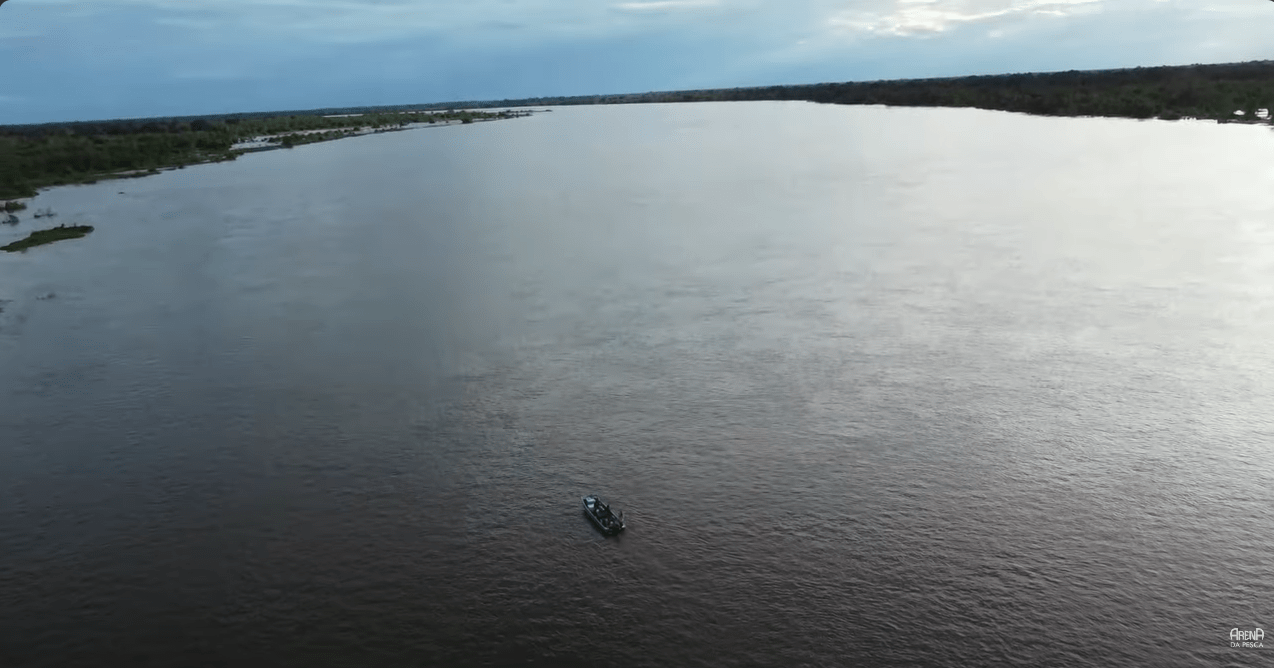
[36, 157]
[290, 140]
[1213, 92]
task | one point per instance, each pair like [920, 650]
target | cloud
[77, 59]
[655, 6]
[367, 21]
[337, 21]
[190, 23]
[906, 18]
[217, 73]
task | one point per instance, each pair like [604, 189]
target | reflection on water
[872, 386]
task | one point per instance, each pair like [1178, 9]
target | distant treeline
[1200, 91]
[35, 156]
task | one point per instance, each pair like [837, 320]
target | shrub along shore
[41, 237]
[39, 156]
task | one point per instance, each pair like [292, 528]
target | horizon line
[529, 101]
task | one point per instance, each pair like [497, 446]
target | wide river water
[873, 387]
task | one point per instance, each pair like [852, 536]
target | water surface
[873, 386]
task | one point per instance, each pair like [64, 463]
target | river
[873, 386]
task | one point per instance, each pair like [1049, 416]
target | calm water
[873, 387]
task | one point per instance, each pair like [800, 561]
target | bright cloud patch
[922, 17]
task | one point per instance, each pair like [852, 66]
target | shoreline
[274, 142]
[58, 156]
[51, 154]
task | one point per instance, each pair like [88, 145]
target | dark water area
[872, 386]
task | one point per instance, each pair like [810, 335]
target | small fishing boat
[601, 514]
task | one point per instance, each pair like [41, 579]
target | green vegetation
[10, 207]
[1199, 91]
[1212, 92]
[41, 237]
[36, 156]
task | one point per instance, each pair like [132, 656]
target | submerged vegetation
[41, 237]
[36, 156]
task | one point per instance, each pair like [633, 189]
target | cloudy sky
[79, 59]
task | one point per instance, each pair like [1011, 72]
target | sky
[63, 60]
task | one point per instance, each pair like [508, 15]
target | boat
[601, 514]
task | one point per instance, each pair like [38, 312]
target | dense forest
[35, 156]
[1198, 91]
